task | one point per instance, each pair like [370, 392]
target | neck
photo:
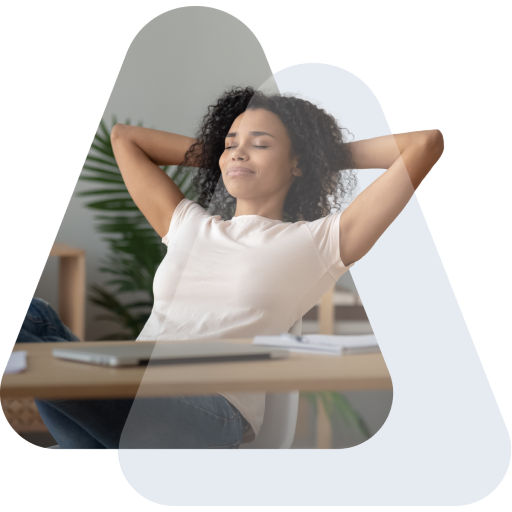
[264, 210]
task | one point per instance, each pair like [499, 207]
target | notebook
[321, 343]
[166, 352]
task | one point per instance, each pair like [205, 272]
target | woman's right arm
[138, 152]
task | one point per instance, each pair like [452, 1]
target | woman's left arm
[408, 157]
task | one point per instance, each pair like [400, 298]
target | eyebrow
[233, 134]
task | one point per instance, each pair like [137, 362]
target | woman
[267, 167]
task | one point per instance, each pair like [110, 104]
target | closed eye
[229, 147]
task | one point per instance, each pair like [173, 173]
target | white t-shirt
[239, 278]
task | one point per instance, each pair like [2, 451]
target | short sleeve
[326, 237]
[183, 211]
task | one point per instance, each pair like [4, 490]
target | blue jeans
[208, 421]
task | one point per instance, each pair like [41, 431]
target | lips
[239, 171]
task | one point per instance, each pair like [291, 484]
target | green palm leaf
[108, 162]
[337, 406]
[343, 407]
[110, 191]
[99, 170]
[107, 179]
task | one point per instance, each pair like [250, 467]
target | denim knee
[42, 323]
[36, 310]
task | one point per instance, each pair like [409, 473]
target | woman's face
[258, 142]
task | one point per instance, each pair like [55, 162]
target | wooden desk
[51, 378]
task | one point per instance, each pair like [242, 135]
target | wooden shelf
[71, 287]
[334, 297]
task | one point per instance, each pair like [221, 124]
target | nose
[238, 155]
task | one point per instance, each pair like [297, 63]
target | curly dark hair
[316, 140]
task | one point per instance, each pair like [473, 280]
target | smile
[239, 171]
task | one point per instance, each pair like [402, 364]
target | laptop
[166, 352]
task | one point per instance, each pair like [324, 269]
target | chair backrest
[280, 417]
[296, 328]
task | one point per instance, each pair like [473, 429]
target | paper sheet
[322, 343]
[17, 362]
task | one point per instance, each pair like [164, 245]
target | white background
[430, 64]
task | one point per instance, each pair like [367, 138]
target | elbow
[116, 131]
[432, 143]
[436, 142]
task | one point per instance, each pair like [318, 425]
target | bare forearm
[161, 147]
[381, 152]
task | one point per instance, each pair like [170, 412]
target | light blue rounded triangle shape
[444, 442]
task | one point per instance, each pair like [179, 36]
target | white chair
[280, 417]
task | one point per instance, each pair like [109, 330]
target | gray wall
[177, 65]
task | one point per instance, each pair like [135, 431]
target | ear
[295, 170]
